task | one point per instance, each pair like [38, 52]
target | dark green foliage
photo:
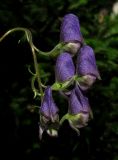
[19, 117]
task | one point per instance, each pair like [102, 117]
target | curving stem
[29, 39]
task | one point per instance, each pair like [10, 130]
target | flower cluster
[76, 64]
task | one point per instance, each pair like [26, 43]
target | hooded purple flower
[79, 104]
[49, 113]
[64, 69]
[86, 66]
[70, 29]
[79, 109]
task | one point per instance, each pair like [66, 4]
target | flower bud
[49, 114]
[70, 33]
[86, 67]
[79, 107]
[64, 69]
[78, 102]
[78, 111]
[70, 29]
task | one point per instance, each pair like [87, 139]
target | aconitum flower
[86, 67]
[64, 69]
[49, 114]
[70, 32]
[70, 29]
[78, 102]
[78, 110]
[78, 105]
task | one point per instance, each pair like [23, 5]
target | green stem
[54, 52]
[29, 39]
[37, 72]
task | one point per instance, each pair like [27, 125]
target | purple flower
[64, 69]
[78, 105]
[49, 114]
[86, 67]
[70, 29]
[79, 111]
[78, 102]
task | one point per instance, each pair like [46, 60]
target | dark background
[18, 120]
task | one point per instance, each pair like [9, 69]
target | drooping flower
[79, 104]
[48, 114]
[79, 109]
[64, 69]
[70, 32]
[86, 67]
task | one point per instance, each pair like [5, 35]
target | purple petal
[70, 29]
[64, 69]
[48, 107]
[86, 63]
[78, 103]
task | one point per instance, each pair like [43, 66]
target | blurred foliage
[19, 116]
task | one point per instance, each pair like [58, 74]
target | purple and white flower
[86, 67]
[70, 33]
[48, 114]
